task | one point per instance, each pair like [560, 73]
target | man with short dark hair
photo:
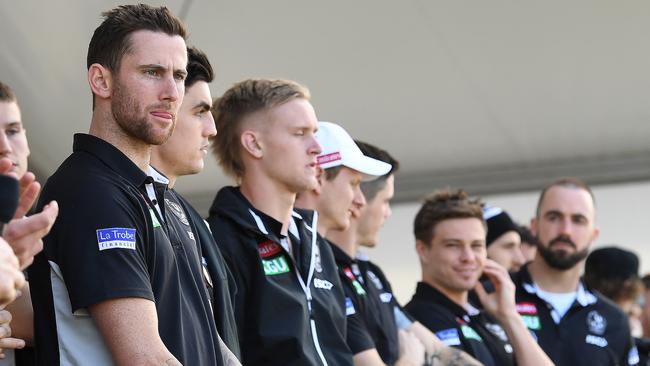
[184, 154]
[116, 283]
[573, 325]
[289, 305]
[450, 241]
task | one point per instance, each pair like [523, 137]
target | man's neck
[106, 128]
[458, 297]
[269, 197]
[345, 239]
[551, 279]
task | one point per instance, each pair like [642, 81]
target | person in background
[364, 233]
[22, 233]
[503, 240]
[450, 234]
[573, 325]
[645, 305]
[614, 273]
[373, 340]
[528, 243]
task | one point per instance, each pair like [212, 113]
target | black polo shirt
[469, 329]
[371, 324]
[375, 279]
[594, 331]
[289, 305]
[219, 279]
[115, 238]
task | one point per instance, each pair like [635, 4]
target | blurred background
[496, 97]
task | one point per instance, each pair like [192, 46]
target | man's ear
[595, 234]
[100, 80]
[533, 226]
[250, 142]
[422, 250]
[320, 175]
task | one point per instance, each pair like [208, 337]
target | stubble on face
[132, 117]
[564, 248]
[561, 259]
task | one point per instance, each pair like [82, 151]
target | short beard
[125, 112]
[560, 259]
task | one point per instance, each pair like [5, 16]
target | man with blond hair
[289, 305]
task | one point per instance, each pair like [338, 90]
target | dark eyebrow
[202, 106]
[152, 66]
[12, 124]
[553, 212]
[181, 72]
[578, 216]
[159, 67]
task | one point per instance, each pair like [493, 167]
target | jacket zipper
[307, 290]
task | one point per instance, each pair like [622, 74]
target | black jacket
[289, 307]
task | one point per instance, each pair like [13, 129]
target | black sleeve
[388, 288]
[222, 280]
[433, 317]
[358, 338]
[237, 262]
[99, 244]
[631, 354]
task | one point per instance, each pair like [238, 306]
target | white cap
[339, 149]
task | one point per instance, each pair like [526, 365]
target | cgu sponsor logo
[532, 322]
[268, 249]
[275, 266]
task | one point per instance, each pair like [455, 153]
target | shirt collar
[111, 156]
[584, 297]
[431, 294]
[362, 256]
[157, 176]
[342, 258]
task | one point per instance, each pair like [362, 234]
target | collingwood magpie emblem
[177, 210]
[596, 323]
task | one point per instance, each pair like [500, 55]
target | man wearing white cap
[289, 305]
[337, 200]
